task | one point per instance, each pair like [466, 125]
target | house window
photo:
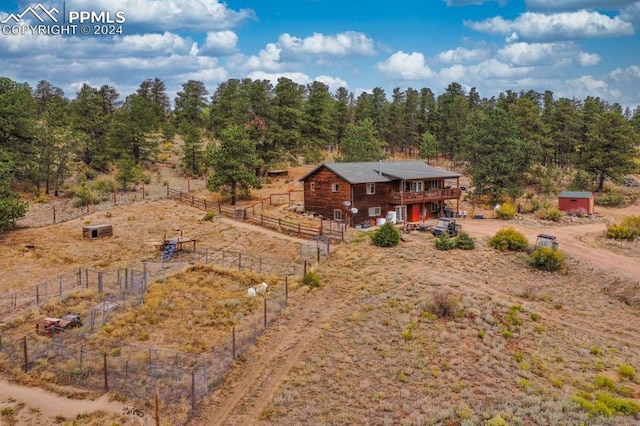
[416, 186]
[337, 214]
[375, 211]
[371, 188]
[573, 201]
[435, 206]
[312, 186]
[434, 184]
[335, 187]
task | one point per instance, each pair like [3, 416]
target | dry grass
[518, 346]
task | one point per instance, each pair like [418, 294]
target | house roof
[575, 194]
[369, 172]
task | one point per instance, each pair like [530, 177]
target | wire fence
[137, 372]
[79, 357]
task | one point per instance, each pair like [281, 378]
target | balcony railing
[423, 196]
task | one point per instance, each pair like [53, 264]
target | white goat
[251, 292]
[262, 288]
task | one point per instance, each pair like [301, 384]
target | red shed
[572, 201]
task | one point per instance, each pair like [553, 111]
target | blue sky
[575, 48]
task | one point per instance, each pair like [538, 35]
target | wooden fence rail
[253, 214]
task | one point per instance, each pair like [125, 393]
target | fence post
[205, 204]
[26, 358]
[100, 282]
[318, 249]
[157, 401]
[260, 264]
[81, 355]
[239, 261]
[38, 296]
[193, 390]
[305, 267]
[79, 277]
[54, 214]
[106, 374]
[86, 277]
[265, 312]
[206, 256]
[286, 287]
[233, 344]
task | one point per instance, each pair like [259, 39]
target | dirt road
[571, 239]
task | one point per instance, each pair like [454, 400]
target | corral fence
[139, 372]
[315, 250]
[253, 214]
[123, 284]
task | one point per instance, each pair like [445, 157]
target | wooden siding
[322, 200]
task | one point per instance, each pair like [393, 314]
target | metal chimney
[380, 166]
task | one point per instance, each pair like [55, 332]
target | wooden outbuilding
[97, 231]
[575, 201]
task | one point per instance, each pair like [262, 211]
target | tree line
[247, 126]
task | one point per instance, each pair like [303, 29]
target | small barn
[573, 201]
[97, 231]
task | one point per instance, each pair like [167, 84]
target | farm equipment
[546, 240]
[446, 226]
[49, 326]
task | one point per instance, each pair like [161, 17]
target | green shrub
[103, 185]
[550, 213]
[465, 242]
[621, 232]
[209, 216]
[311, 279]
[85, 196]
[580, 182]
[508, 239]
[443, 242]
[632, 222]
[610, 199]
[497, 421]
[546, 258]
[386, 236]
[626, 371]
[507, 211]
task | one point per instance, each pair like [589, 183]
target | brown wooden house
[368, 192]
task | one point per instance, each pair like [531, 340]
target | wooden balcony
[423, 196]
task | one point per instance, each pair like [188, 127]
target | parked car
[629, 181]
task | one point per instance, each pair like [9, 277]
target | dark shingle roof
[575, 194]
[369, 172]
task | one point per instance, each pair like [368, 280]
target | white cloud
[493, 68]
[333, 82]
[297, 77]
[558, 26]
[576, 4]
[540, 54]
[462, 55]
[406, 66]
[290, 51]
[151, 44]
[341, 44]
[588, 59]
[631, 13]
[631, 73]
[268, 59]
[220, 42]
[191, 15]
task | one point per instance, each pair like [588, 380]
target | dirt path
[570, 240]
[44, 405]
